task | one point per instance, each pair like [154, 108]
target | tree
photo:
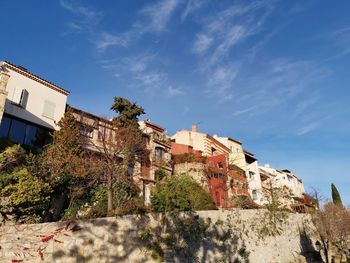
[121, 146]
[128, 112]
[180, 193]
[65, 165]
[336, 196]
[332, 224]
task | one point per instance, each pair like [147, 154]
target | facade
[236, 154]
[199, 141]
[239, 187]
[159, 160]
[30, 106]
[253, 178]
[218, 180]
[293, 195]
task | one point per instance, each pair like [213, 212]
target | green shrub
[29, 196]
[180, 193]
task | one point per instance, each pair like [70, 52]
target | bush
[28, 197]
[133, 206]
[180, 193]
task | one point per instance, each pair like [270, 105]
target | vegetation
[332, 224]
[336, 196]
[180, 193]
[188, 158]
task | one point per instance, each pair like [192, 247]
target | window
[254, 195]
[220, 165]
[87, 131]
[5, 127]
[23, 132]
[49, 109]
[159, 153]
[289, 178]
[20, 97]
[251, 175]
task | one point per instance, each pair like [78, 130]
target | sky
[271, 74]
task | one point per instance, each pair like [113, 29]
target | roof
[23, 71]
[88, 114]
[154, 126]
[233, 140]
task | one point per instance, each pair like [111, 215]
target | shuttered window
[49, 109]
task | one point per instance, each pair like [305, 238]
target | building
[30, 106]
[284, 179]
[199, 141]
[253, 177]
[236, 154]
[159, 161]
[246, 162]
[218, 180]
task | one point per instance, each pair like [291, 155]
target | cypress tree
[336, 196]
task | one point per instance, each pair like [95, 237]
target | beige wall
[37, 94]
[200, 142]
[117, 240]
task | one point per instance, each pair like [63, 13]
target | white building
[30, 106]
[200, 141]
[281, 178]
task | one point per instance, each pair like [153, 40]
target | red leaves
[46, 238]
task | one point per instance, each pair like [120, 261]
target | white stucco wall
[37, 94]
[236, 155]
[254, 183]
[280, 179]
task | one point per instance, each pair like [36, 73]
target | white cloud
[244, 111]
[171, 92]
[192, 6]
[202, 43]
[108, 40]
[222, 79]
[308, 128]
[86, 17]
[158, 15]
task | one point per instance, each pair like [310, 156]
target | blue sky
[272, 74]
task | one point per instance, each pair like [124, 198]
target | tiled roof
[32, 76]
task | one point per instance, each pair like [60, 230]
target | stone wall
[196, 170]
[118, 240]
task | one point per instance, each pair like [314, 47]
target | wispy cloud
[244, 111]
[308, 128]
[108, 40]
[157, 15]
[191, 7]
[202, 43]
[172, 92]
[85, 17]
[221, 33]
[222, 78]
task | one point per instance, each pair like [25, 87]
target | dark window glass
[159, 153]
[30, 135]
[17, 131]
[5, 126]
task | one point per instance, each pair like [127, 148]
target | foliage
[336, 196]
[128, 112]
[135, 205]
[12, 158]
[180, 193]
[188, 158]
[332, 224]
[29, 196]
[159, 175]
[5, 143]
[60, 157]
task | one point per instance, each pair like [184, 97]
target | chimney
[267, 165]
[194, 128]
